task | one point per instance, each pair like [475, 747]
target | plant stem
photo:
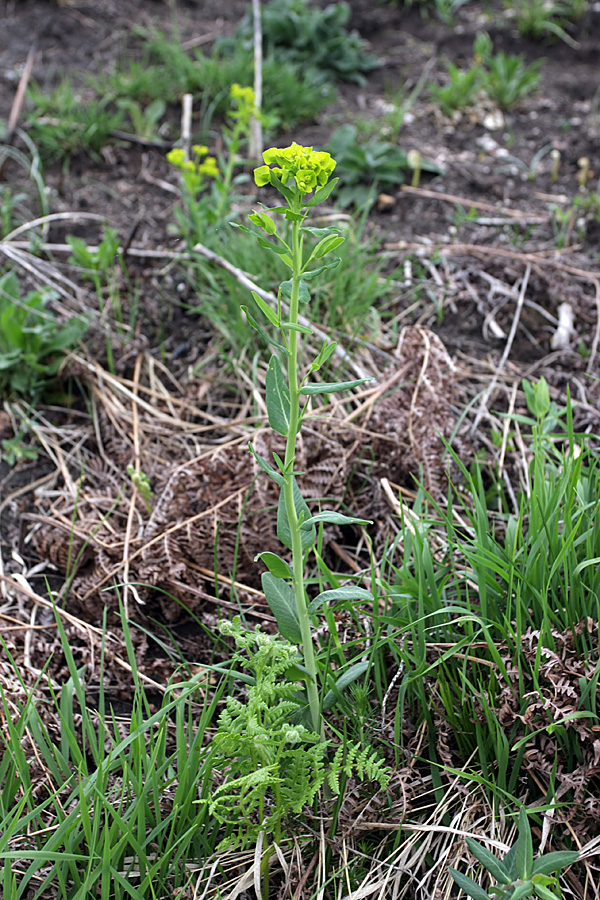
[288, 490]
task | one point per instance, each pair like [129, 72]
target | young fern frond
[354, 760]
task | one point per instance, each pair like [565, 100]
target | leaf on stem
[334, 518]
[323, 193]
[317, 387]
[308, 535]
[350, 675]
[552, 862]
[495, 867]
[308, 276]
[286, 290]
[275, 564]
[277, 398]
[524, 848]
[254, 324]
[325, 246]
[282, 603]
[470, 887]
[347, 592]
[266, 467]
[270, 314]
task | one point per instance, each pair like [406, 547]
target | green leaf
[266, 309]
[544, 893]
[524, 848]
[308, 276]
[275, 564]
[348, 592]
[316, 387]
[552, 862]
[320, 232]
[308, 535]
[324, 353]
[269, 245]
[254, 324]
[322, 193]
[467, 884]
[283, 190]
[282, 603]
[263, 221]
[293, 326]
[510, 862]
[277, 398]
[350, 675]
[495, 867]
[335, 518]
[522, 890]
[266, 467]
[325, 246]
[303, 293]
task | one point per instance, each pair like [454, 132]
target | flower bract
[306, 166]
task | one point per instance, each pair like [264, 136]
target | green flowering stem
[288, 490]
[302, 177]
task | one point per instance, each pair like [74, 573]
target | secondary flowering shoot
[194, 171]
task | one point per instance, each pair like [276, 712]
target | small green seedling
[141, 483]
[33, 342]
[517, 875]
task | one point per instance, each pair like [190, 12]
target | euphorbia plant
[303, 178]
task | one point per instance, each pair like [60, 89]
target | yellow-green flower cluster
[243, 105]
[194, 171]
[306, 166]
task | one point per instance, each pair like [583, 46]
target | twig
[17, 104]
[470, 204]
[256, 137]
[509, 342]
[186, 124]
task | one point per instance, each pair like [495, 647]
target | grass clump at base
[488, 618]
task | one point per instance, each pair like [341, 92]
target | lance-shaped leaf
[347, 592]
[275, 564]
[552, 862]
[266, 467]
[334, 518]
[303, 293]
[254, 324]
[350, 675]
[315, 387]
[266, 309]
[308, 535]
[293, 326]
[277, 397]
[524, 848]
[308, 276]
[322, 193]
[325, 246]
[470, 887]
[495, 867]
[282, 603]
[325, 352]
